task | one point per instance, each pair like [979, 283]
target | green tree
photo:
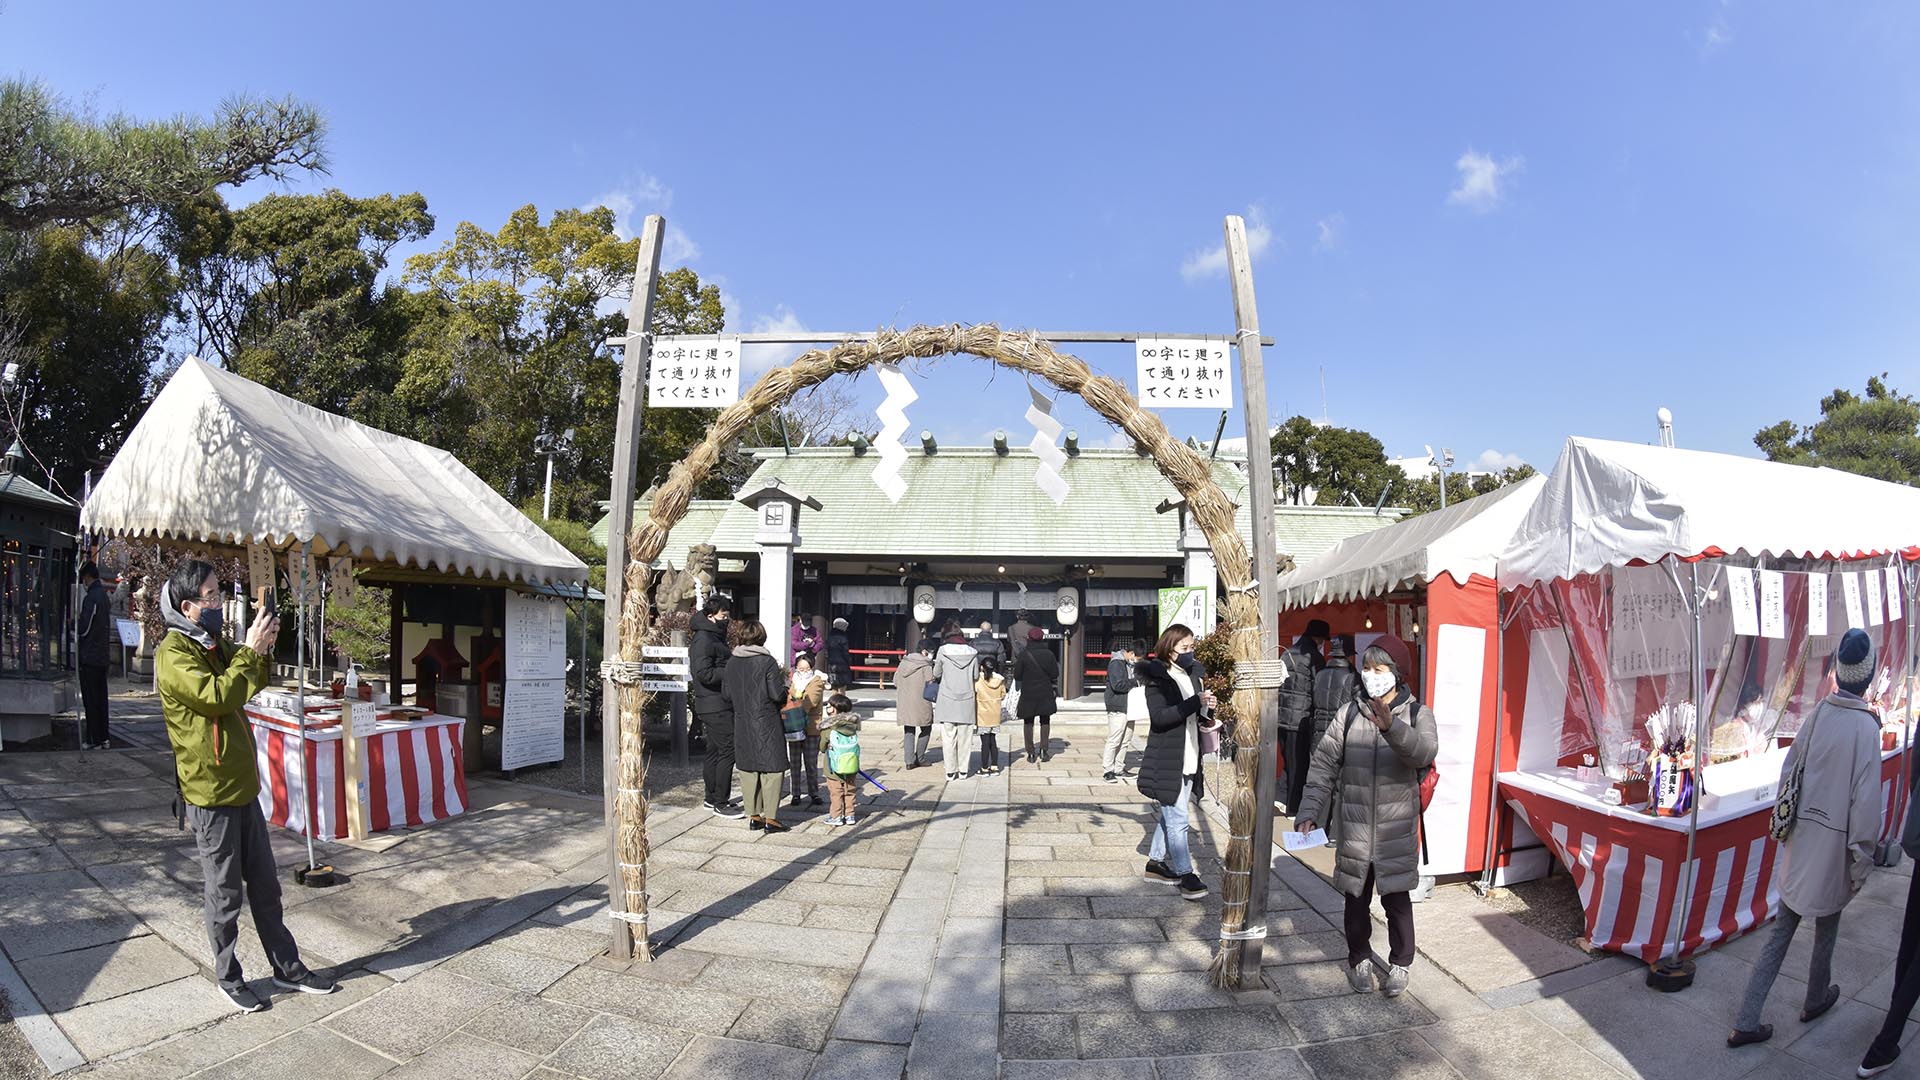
[1339, 466]
[1423, 494]
[287, 291]
[507, 349]
[61, 164]
[80, 326]
[1876, 435]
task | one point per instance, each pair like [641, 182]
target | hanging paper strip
[893, 424]
[1052, 458]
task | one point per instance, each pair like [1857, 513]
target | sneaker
[242, 997]
[1112, 777]
[1159, 873]
[952, 776]
[1360, 977]
[833, 819]
[1877, 1061]
[1192, 887]
[1394, 982]
[726, 812]
[308, 983]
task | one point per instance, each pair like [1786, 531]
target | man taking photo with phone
[204, 680]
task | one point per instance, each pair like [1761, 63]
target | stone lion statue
[681, 590]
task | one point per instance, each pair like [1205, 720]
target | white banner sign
[693, 372]
[340, 584]
[1894, 609]
[1746, 612]
[1184, 373]
[1876, 611]
[1850, 587]
[1817, 605]
[1773, 604]
[259, 567]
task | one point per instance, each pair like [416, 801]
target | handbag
[931, 691]
[793, 719]
[1786, 808]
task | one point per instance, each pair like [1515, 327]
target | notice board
[533, 710]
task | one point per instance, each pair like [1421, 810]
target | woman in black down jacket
[1170, 769]
[755, 689]
[1038, 673]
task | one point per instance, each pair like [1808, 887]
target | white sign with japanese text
[1850, 588]
[1185, 373]
[1773, 604]
[1876, 611]
[1895, 609]
[693, 372]
[1746, 611]
[1817, 605]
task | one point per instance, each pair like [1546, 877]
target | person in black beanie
[1303, 664]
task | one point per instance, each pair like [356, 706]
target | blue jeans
[1170, 838]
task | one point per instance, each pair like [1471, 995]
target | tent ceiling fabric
[219, 458]
[1609, 503]
[1460, 541]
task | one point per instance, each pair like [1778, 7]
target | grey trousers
[1113, 755]
[235, 856]
[1826, 931]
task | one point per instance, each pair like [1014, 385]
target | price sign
[1184, 373]
[693, 372]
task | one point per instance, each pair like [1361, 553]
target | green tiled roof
[970, 502]
[19, 489]
[697, 526]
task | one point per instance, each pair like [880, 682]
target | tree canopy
[60, 164]
[1876, 435]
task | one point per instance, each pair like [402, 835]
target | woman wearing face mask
[1376, 748]
[1170, 769]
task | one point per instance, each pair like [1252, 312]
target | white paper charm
[1850, 586]
[1817, 605]
[1746, 612]
[1773, 604]
[1052, 458]
[893, 424]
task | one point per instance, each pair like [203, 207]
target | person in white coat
[954, 667]
[1826, 858]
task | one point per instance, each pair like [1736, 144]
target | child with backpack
[840, 738]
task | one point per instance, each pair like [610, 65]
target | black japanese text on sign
[1185, 373]
[693, 372]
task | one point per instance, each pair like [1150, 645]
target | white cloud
[1481, 187]
[1718, 35]
[1495, 460]
[761, 358]
[1331, 230]
[1212, 262]
[646, 194]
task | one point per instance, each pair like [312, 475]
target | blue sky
[1491, 225]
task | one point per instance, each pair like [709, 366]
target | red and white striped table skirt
[1628, 869]
[414, 776]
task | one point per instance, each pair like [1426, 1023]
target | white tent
[1610, 503]
[219, 458]
[1460, 541]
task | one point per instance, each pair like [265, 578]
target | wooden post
[356, 724]
[626, 447]
[1253, 387]
[396, 641]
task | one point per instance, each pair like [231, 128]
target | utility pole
[626, 447]
[1253, 383]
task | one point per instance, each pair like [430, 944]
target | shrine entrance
[1250, 607]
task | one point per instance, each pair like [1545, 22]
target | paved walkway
[992, 927]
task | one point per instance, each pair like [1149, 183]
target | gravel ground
[17, 1058]
[1550, 905]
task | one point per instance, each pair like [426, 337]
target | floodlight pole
[1253, 384]
[626, 447]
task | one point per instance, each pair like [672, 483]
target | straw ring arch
[1188, 471]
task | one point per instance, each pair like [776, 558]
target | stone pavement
[991, 927]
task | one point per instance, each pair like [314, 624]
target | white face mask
[1378, 683]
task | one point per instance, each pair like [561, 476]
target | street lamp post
[548, 447]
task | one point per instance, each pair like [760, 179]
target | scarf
[177, 621]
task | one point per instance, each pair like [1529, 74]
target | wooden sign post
[355, 717]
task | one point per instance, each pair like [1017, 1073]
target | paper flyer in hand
[1294, 841]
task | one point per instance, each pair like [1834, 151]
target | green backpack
[843, 754]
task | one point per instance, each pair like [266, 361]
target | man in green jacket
[204, 681]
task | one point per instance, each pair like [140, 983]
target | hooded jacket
[754, 689]
[1827, 856]
[911, 682]
[707, 664]
[204, 682]
[1378, 792]
[954, 666]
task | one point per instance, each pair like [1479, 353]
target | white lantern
[923, 598]
[1066, 606]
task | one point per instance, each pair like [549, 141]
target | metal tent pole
[300, 703]
[1499, 736]
[1672, 972]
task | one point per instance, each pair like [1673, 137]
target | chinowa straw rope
[1189, 473]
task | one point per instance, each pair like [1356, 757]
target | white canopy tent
[1611, 503]
[1460, 541]
[218, 458]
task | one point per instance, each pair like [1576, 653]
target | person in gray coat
[915, 711]
[1366, 775]
[1826, 857]
[954, 667]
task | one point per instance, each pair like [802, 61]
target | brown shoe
[770, 825]
[757, 823]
